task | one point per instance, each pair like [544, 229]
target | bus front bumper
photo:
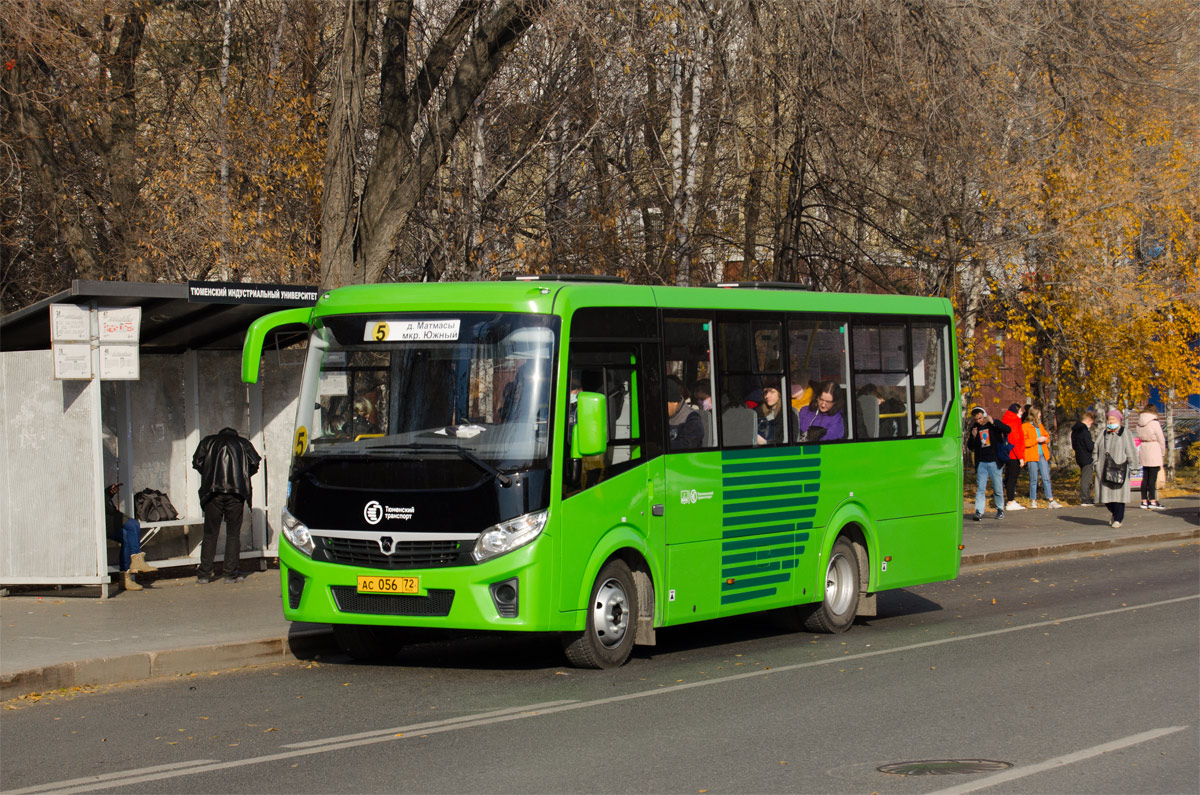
[509, 592]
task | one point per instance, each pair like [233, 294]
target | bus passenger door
[691, 505]
[605, 495]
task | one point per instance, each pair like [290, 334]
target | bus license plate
[389, 584]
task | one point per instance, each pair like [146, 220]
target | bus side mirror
[590, 436]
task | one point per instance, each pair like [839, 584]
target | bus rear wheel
[607, 637]
[839, 604]
[369, 644]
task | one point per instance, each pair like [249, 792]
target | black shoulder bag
[1113, 475]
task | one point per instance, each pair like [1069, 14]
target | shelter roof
[175, 317]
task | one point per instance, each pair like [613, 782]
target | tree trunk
[339, 199]
[360, 229]
[122, 154]
[223, 253]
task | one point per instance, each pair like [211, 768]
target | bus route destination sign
[411, 330]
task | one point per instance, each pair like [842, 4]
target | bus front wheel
[369, 644]
[607, 637]
[840, 601]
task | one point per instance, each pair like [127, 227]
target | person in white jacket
[1151, 453]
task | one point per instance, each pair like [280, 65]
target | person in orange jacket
[1037, 458]
[1016, 458]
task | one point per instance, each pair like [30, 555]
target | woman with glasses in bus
[821, 420]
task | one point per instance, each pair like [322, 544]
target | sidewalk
[52, 639]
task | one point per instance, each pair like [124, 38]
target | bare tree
[360, 225]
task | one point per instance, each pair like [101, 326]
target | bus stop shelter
[63, 440]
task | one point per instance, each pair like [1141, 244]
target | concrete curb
[1051, 550]
[169, 662]
[309, 643]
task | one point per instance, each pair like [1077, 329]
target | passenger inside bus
[821, 420]
[684, 426]
[771, 410]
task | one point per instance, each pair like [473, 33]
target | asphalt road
[1082, 674]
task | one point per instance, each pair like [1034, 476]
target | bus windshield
[476, 384]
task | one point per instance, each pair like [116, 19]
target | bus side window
[932, 390]
[687, 351]
[818, 353]
[751, 365]
[881, 374]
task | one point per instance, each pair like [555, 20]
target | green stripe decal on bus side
[743, 532]
[776, 516]
[746, 595]
[755, 582]
[768, 452]
[754, 543]
[760, 466]
[757, 568]
[763, 539]
[762, 554]
[750, 480]
[765, 505]
[774, 491]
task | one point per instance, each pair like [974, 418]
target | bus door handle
[657, 510]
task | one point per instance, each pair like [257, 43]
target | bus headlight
[297, 533]
[504, 537]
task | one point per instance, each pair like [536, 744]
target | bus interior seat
[739, 426]
[868, 416]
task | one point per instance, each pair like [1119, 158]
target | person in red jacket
[1016, 458]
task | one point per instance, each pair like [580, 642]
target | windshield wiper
[505, 480]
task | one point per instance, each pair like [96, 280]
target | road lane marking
[432, 724]
[93, 780]
[521, 713]
[1058, 761]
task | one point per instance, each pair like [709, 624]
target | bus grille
[349, 600]
[406, 555]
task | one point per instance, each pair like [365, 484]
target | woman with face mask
[1115, 445]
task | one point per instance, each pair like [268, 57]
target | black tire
[368, 644]
[839, 603]
[612, 616]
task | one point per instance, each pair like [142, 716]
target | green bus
[596, 459]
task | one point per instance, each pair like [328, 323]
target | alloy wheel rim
[610, 613]
[839, 585]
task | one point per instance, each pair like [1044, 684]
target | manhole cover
[941, 767]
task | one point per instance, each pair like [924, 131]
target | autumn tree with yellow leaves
[1092, 195]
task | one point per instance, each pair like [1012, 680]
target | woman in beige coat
[1115, 444]
[1150, 453]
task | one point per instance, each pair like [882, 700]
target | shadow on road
[502, 651]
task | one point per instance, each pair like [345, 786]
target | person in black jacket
[685, 429]
[1084, 447]
[226, 462]
[983, 439]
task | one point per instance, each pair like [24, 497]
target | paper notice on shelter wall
[119, 362]
[120, 324]
[72, 361]
[70, 323]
